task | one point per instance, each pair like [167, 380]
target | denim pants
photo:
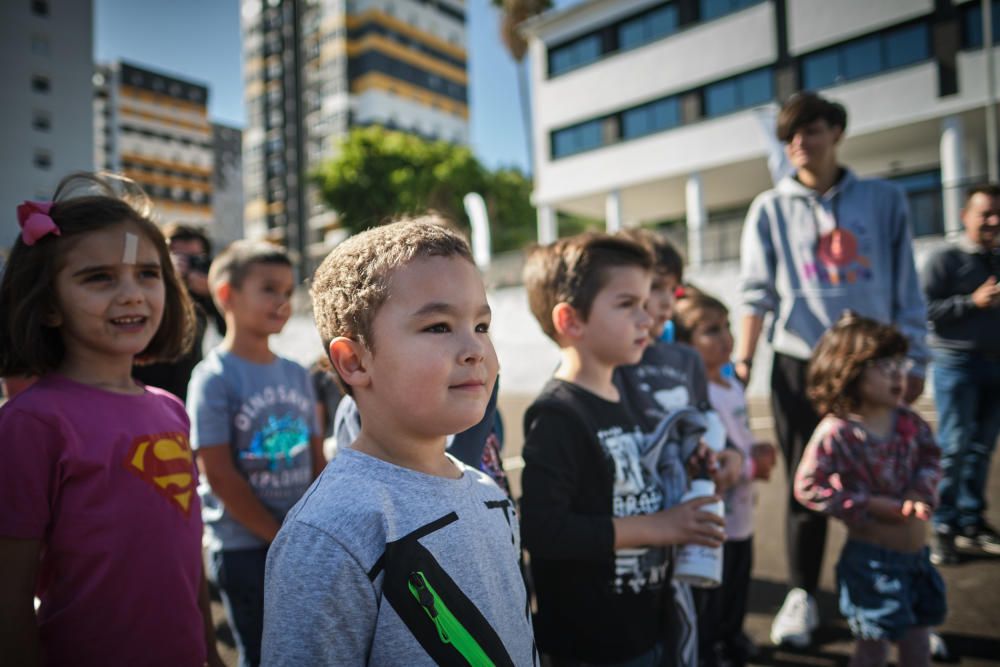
[239, 574]
[967, 396]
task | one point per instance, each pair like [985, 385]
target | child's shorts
[884, 593]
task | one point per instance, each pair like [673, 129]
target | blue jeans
[967, 395]
[240, 577]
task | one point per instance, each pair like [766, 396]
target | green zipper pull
[450, 630]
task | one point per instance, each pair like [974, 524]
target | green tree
[379, 174]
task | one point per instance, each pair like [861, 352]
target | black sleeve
[556, 453]
[943, 305]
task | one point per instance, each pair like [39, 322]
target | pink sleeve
[927, 467]
[826, 480]
[29, 473]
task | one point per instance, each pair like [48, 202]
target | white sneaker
[796, 620]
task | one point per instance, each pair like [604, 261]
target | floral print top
[845, 464]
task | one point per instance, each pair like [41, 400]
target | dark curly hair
[841, 356]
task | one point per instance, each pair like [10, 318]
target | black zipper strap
[415, 535]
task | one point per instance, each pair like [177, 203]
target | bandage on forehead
[131, 248]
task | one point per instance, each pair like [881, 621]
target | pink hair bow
[33, 216]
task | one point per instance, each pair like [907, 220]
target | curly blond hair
[352, 283]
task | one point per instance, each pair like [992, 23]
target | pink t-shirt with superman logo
[107, 483]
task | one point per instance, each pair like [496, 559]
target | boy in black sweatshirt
[591, 514]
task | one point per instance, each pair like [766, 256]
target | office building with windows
[649, 112]
[46, 125]
[153, 128]
[315, 68]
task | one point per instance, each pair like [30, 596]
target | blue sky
[200, 40]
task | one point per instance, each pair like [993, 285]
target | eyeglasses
[891, 365]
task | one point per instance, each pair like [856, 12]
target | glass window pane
[666, 114]
[861, 58]
[906, 45]
[820, 70]
[662, 22]
[720, 98]
[711, 9]
[630, 34]
[756, 88]
[589, 135]
[588, 50]
[636, 122]
[972, 27]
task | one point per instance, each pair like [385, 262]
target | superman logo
[165, 461]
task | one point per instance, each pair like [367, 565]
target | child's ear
[223, 292]
[567, 320]
[349, 359]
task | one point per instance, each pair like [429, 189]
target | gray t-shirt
[383, 565]
[266, 414]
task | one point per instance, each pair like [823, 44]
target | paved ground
[972, 629]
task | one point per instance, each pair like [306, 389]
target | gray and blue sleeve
[757, 262]
[909, 311]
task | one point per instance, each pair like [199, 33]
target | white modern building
[315, 68]
[46, 123]
[651, 112]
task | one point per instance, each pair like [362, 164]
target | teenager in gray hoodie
[821, 242]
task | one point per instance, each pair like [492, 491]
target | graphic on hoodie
[838, 260]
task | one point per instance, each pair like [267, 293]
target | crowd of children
[406, 548]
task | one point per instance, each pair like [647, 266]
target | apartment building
[315, 68]
[154, 128]
[46, 124]
[663, 112]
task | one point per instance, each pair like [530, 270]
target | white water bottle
[699, 565]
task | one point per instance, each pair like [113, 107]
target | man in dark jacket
[963, 305]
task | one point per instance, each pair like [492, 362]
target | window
[576, 139]
[647, 27]
[575, 54]
[923, 194]
[972, 24]
[711, 9]
[739, 92]
[649, 118]
[858, 58]
[43, 158]
[40, 83]
[40, 120]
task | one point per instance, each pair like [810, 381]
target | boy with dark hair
[253, 424]
[669, 377]
[400, 554]
[820, 242]
[591, 512]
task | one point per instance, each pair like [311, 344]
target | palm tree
[516, 12]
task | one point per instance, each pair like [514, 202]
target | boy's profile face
[262, 303]
[617, 330]
[661, 302]
[434, 365]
